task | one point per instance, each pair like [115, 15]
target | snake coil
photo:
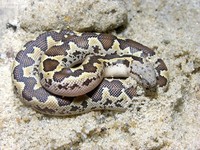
[67, 73]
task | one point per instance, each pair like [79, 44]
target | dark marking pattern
[161, 81]
[118, 103]
[131, 92]
[57, 50]
[135, 46]
[87, 82]
[107, 40]
[45, 110]
[50, 65]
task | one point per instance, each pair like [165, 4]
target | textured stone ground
[169, 121]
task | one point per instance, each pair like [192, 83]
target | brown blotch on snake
[50, 65]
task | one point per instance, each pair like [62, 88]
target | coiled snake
[66, 72]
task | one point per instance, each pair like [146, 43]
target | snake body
[66, 72]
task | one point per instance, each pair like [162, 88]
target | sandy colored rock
[80, 15]
[169, 121]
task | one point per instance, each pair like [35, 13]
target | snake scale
[66, 72]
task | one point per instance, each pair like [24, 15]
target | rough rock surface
[169, 121]
[79, 15]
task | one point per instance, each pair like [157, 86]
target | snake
[65, 72]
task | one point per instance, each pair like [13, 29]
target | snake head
[144, 73]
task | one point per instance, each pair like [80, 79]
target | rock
[82, 15]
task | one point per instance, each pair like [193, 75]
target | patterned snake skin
[66, 73]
